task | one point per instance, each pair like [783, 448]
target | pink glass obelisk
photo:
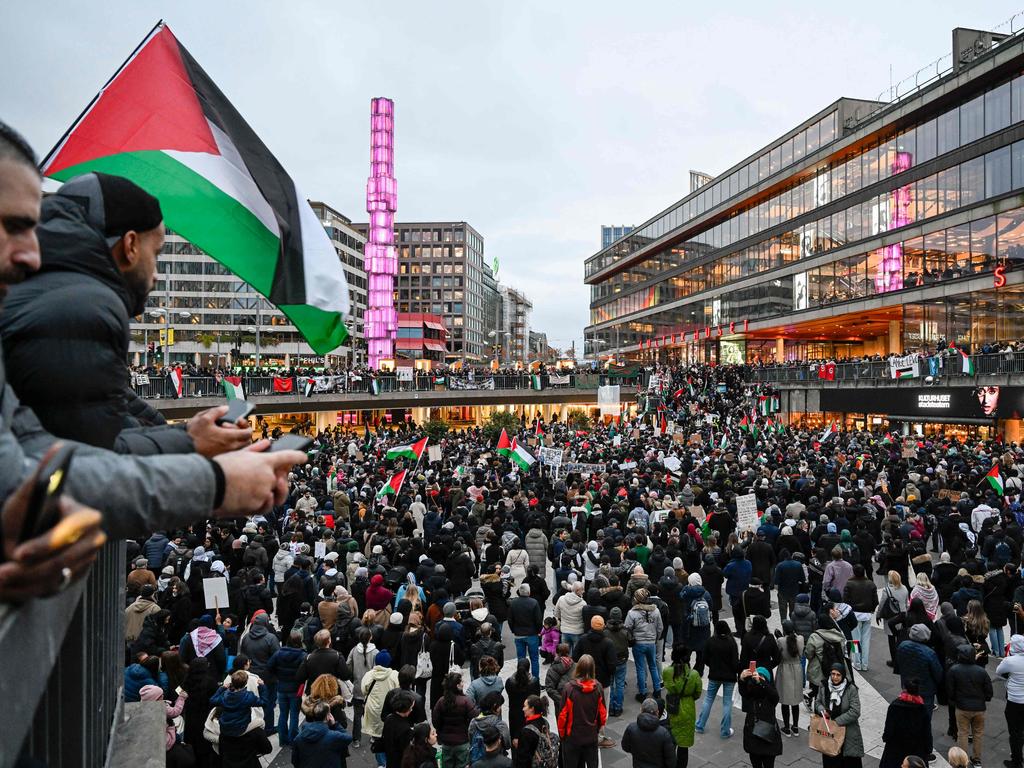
[380, 259]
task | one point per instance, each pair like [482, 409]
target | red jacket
[378, 597]
[583, 713]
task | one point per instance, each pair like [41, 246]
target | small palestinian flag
[233, 387]
[504, 447]
[775, 404]
[174, 374]
[163, 123]
[539, 429]
[375, 387]
[769, 426]
[521, 457]
[887, 440]
[966, 364]
[995, 479]
[393, 485]
[677, 394]
[307, 387]
[536, 382]
[745, 423]
[762, 405]
[413, 452]
[830, 430]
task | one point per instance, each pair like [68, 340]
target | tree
[498, 421]
[436, 428]
[205, 339]
[577, 418]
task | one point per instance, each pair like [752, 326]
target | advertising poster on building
[800, 290]
[982, 402]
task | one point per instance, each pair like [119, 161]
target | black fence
[62, 670]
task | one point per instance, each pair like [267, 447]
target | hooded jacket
[374, 687]
[378, 597]
[321, 745]
[236, 708]
[582, 714]
[650, 745]
[135, 616]
[569, 613]
[1012, 668]
[78, 286]
[259, 645]
[644, 622]
[968, 685]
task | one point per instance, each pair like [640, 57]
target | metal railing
[160, 387]
[946, 368]
[62, 670]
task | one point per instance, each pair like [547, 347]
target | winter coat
[603, 652]
[525, 617]
[723, 659]
[536, 544]
[696, 637]
[805, 621]
[153, 550]
[907, 732]
[283, 560]
[762, 648]
[569, 613]
[484, 685]
[917, 660]
[378, 597]
[482, 721]
[79, 287]
[650, 745]
[789, 675]
[556, 678]
[582, 714]
[550, 637]
[644, 623]
[969, 687]
[737, 574]
[848, 715]
[135, 617]
[236, 708]
[284, 665]
[322, 661]
[452, 723]
[813, 651]
[136, 677]
[259, 645]
[360, 661]
[761, 701]
[789, 576]
[687, 687]
[374, 687]
[320, 745]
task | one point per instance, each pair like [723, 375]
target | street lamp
[163, 313]
[256, 329]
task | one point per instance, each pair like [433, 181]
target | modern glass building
[868, 228]
[609, 234]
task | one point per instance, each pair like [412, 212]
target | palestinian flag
[375, 387]
[536, 383]
[174, 374]
[367, 440]
[163, 123]
[887, 440]
[233, 387]
[663, 423]
[830, 430]
[677, 394]
[521, 456]
[413, 452]
[724, 442]
[504, 447]
[774, 404]
[307, 387]
[995, 479]
[393, 485]
[966, 364]
[284, 384]
[745, 423]
[762, 405]
[539, 429]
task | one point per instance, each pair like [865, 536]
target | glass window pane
[1010, 243]
[799, 146]
[913, 262]
[1017, 164]
[972, 120]
[948, 126]
[972, 181]
[1017, 99]
[948, 189]
[812, 138]
[983, 244]
[997, 108]
[787, 153]
[997, 172]
[827, 130]
[926, 142]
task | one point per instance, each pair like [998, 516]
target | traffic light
[151, 347]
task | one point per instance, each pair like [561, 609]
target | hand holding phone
[291, 442]
[752, 668]
[237, 410]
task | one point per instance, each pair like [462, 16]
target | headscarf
[694, 580]
[204, 640]
[835, 692]
[971, 538]
[929, 597]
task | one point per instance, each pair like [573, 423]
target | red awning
[435, 346]
[435, 326]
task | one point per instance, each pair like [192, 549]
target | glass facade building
[868, 228]
[609, 234]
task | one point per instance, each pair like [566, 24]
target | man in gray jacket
[643, 623]
[135, 494]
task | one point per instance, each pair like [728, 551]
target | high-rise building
[212, 312]
[441, 272]
[868, 228]
[516, 310]
[492, 326]
[610, 234]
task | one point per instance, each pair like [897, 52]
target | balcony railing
[160, 387]
[62, 670]
[946, 367]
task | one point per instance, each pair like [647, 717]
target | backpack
[546, 754]
[691, 544]
[477, 747]
[831, 653]
[700, 613]
[1001, 554]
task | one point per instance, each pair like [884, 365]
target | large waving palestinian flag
[163, 123]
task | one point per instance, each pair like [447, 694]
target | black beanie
[113, 204]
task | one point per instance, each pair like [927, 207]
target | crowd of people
[371, 603]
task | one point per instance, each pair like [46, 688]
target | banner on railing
[904, 367]
[464, 384]
[563, 380]
[140, 379]
[586, 469]
[608, 400]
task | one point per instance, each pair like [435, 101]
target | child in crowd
[549, 639]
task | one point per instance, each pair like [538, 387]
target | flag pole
[60, 142]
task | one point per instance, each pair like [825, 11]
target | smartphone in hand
[237, 409]
[291, 442]
[43, 511]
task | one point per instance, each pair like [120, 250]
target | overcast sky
[535, 121]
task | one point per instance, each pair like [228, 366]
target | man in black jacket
[99, 236]
[862, 597]
[970, 689]
[526, 619]
[650, 745]
[323, 660]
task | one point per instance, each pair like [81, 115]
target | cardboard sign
[627, 465]
[746, 511]
[359, 455]
[320, 550]
[949, 493]
[433, 453]
[698, 514]
[695, 438]
[679, 437]
[550, 456]
[215, 591]
[909, 451]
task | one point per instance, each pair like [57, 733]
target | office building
[441, 272]
[516, 310]
[421, 337]
[609, 234]
[868, 228]
[213, 312]
[492, 310]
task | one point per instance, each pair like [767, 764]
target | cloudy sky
[536, 121]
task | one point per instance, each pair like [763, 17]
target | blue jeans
[646, 655]
[531, 643]
[268, 709]
[862, 633]
[996, 641]
[287, 718]
[618, 687]
[709, 702]
[571, 640]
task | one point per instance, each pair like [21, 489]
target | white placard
[608, 400]
[672, 463]
[627, 465]
[617, 441]
[404, 374]
[320, 550]
[433, 453]
[550, 456]
[216, 592]
[746, 511]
